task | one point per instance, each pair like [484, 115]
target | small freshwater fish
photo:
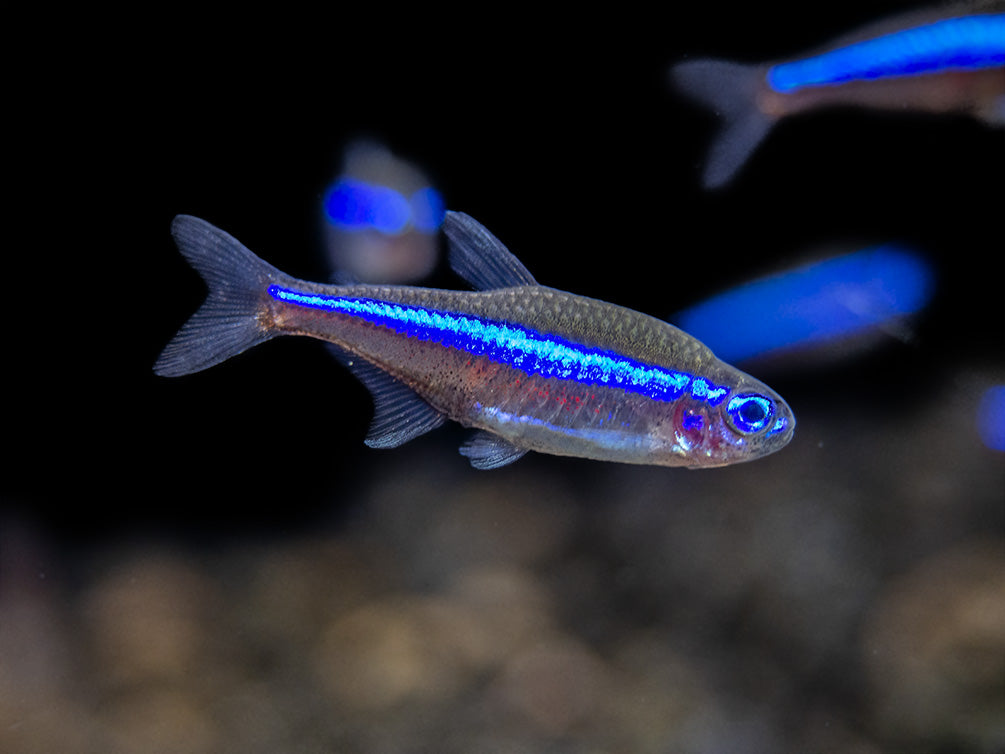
[529, 367]
[829, 301]
[933, 61]
[381, 217]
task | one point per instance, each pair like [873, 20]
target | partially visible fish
[530, 367]
[832, 301]
[991, 417]
[381, 217]
[935, 61]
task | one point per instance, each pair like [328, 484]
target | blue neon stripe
[356, 205]
[519, 347]
[966, 43]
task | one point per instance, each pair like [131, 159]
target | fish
[380, 218]
[991, 418]
[529, 368]
[938, 61]
[831, 301]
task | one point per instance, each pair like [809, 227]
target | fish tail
[730, 90]
[228, 322]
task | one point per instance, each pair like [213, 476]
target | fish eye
[749, 413]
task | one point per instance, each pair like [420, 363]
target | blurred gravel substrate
[846, 594]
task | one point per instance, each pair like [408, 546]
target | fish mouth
[784, 426]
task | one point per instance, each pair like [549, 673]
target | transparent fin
[488, 451]
[730, 90]
[345, 277]
[399, 414]
[227, 322]
[481, 258]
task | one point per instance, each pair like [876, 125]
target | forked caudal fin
[730, 90]
[227, 323]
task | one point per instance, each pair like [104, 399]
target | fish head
[751, 421]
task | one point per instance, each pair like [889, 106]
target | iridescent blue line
[519, 347]
[966, 43]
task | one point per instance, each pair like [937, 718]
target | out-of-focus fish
[935, 61]
[991, 417]
[832, 300]
[381, 216]
[532, 368]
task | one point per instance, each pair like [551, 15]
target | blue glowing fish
[530, 367]
[381, 216]
[822, 302]
[934, 62]
[991, 418]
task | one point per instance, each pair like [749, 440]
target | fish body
[531, 367]
[937, 62]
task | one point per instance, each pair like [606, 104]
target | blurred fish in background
[822, 307]
[991, 418]
[935, 61]
[381, 215]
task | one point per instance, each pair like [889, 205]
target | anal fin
[399, 414]
[488, 451]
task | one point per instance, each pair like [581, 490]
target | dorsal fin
[481, 258]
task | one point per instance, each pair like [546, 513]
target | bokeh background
[218, 564]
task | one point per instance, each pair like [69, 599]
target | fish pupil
[750, 413]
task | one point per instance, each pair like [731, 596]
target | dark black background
[558, 132]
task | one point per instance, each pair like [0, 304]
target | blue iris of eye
[750, 412]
